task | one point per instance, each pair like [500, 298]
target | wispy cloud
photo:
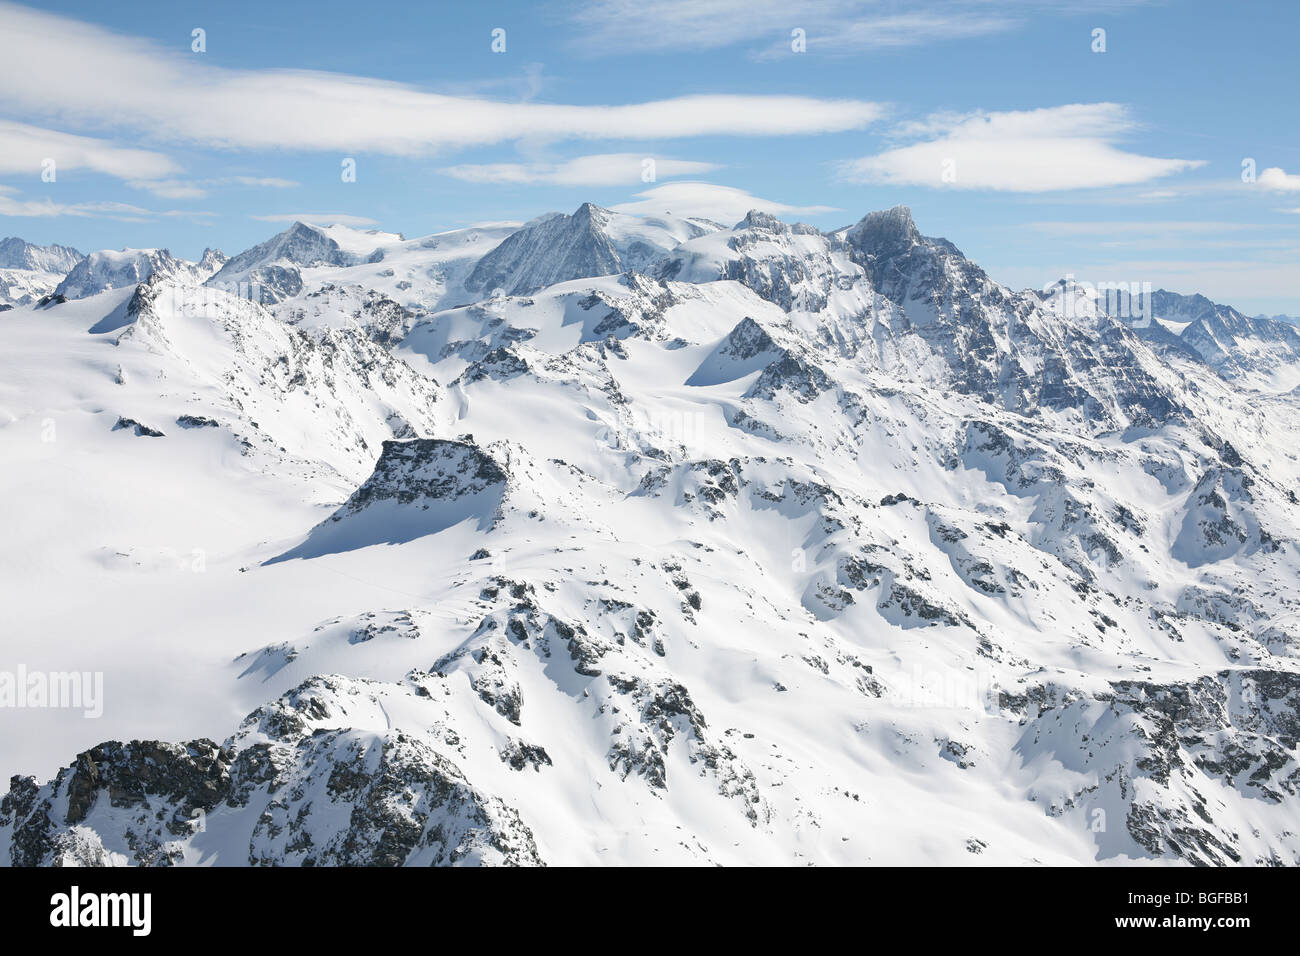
[1056, 148]
[1149, 227]
[829, 27]
[318, 218]
[604, 169]
[25, 150]
[198, 188]
[13, 204]
[724, 204]
[106, 80]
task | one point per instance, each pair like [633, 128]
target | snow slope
[788, 547]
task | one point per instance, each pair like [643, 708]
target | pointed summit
[590, 213]
[758, 219]
[211, 262]
[886, 232]
[274, 266]
[553, 250]
[301, 244]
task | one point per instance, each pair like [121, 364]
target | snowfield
[601, 540]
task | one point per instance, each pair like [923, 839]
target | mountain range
[604, 539]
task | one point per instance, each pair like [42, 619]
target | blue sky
[994, 120]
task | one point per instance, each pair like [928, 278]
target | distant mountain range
[603, 538]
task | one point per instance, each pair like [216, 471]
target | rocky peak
[213, 259]
[17, 253]
[418, 487]
[273, 267]
[432, 468]
[300, 244]
[764, 221]
[885, 233]
[553, 250]
[106, 269]
[591, 216]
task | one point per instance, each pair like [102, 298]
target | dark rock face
[418, 487]
[884, 236]
[308, 792]
[140, 431]
[990, 337]
[196, 421]
[193, 775]
[747, 340]
[425, 468]
[499, 365]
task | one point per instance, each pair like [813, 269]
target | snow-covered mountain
[22, 286]
[18, 254]
[106, 269]
[608, 540]
[418, 273]
[29, 272]
[272, 269]
[1258, 349]
[591, 242]
[210, 263]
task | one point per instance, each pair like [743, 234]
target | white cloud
[724, 204]
[12, 205]
[1204, 237]
[1062, 147]
[112, 81]
[318, 218]
[171, 188]
[830, 26]
[1153, 227]
[25, 149]
[1279, 180]
[198, 188]
[604, 169]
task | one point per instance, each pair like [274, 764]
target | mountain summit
[590, 242]
[18, 254]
